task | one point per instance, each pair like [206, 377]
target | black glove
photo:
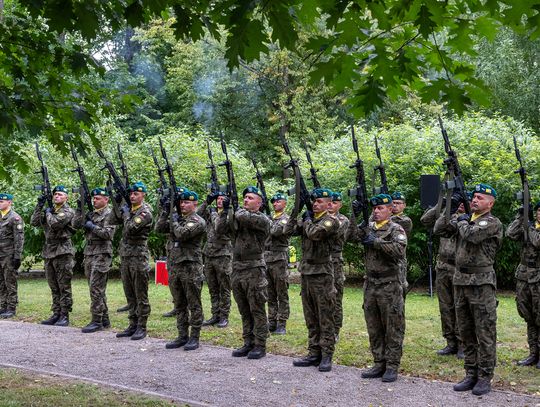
[48, 210]
[16, 263]
[357, 207]
[118, 198]
[463, 217]
[165, 202]
[176, 217]
[125, 210]
[456, 200]
[211, 198]
[41, 200]
[369, 239]
[520, 209]
[79, 204]
[226, 204]
[307, 215]
[89, 225]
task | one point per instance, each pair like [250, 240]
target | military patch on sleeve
[61, 214]
[190, 224]
[17, 218]
[137, 220]
[483, 223]
[401, 236]
[284, 221]
[19, 226]
[327, 223]
[143, 214]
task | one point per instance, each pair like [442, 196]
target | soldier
[277, 273]
[318, 230]
[337, 258]
[134, 258]
[248, 278]
[385, 243]
[11, 246]
[217, 261]
[58, 252]
[398, 216]
[528, 281]
[479, 236]
[98, 252]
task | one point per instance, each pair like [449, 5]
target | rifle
[45, 187]
[359, 192]
[164, 187]
[123, 166]
[260, 185]
[173, 190]
[301, 191]
[383, 189]
[231, 186]
[454, 176]
[312, 170]
[524, 196]
[83, 189]
[117, 183]
[214, 183]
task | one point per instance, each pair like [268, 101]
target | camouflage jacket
[404, 221]
[11, 235]
[137, 227]
[383, 259]
[341, 237]
[98, 240]
[250, 232]
[58, 230]
[277, 243]
[216, 244]
[477, 244]
[185, 241]
[317, 242]
[447, 245]
[529, 265]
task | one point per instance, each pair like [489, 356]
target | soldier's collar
[475, 215]
[537, 225]
[6, 212]
[220, 211]
[278, 214]
[320, 215]
[57, 207]
[399, 214]
[135, 207]
[379, 225]
[100, 210]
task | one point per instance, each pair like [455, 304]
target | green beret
[321, 193]
[6, 197]
[252, 190]
[381, 199]
[99, 191]
[485, 189]
[138, 187]
[337, 197]
[60, 188]
[537, 206]
[398, 196]
[278, 196]
[188, 195]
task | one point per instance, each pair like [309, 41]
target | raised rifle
[359, 192]
[214, 183]
[123, 166]
[173, 190]
[83, 190]
[454, 181]
[524, 196]
[117, 183]
[260, 185]
[163, 186]
[45, 186]
[312, 170]
[231, 183]
[383, 189]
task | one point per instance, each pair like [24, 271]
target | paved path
[210, 376]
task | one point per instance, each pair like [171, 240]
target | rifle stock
[231, 186]
[260, 185]
[524, 196]
[83, 190]
[117, 182]
[45, 186]
[359, 192]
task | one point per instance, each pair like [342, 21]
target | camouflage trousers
[96, 270]
[403, 266]
[8, 285]
[134, 271]
[447, 308]
[185, 283]
[385, 319]
[528, 306]
[249, 290]
[59, 271]
[318, 302]
[476, 309]
[339, 284]
[277, 275]
[217, 271]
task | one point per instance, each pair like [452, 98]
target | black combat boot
[280, 329]
[129, 331]
[390, 375]
[212, 321]
[2, 310]
[94, 326]
[140, 333]
[171, 313]
[326, 364]
[466, 384]
[63, 320]
[123, 309]
[10, 313]
[448, 350]
[530, 360]
[177, 343]
[482, 386]
[374, 372]
[257, 352]
[52, 319]
[309, 360]
[105, 321]
[243, 351]
[272, 325]
[223, 322]
[193, 343]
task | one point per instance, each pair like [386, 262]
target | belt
[532, 264]
[447, 260]
[135, 242]
[320, 260]
[98, 242]
[56, 241]
[474, 270]
[383, 274]
[245, 257]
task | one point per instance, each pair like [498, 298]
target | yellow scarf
[4, 213]
[537, 225]
[320, 215]
[477, 215]
[399, 214]
[379, 225]
[278, 214]
[57, 207]
[134, 208]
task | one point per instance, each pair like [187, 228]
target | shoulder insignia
[137, 219]
[143, 214]
[284, 221]
[61, 214]
[19, 226]
[327, 223]
[17, 218]
[190, 224]
[401, 236]
[483, 223]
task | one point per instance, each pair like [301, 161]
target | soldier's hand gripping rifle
[163, 186]
[260, 185]
[454, 182]
[123, 166]
[312, 170]
[45, 186]
[231, 187]
[359, 192]
[214, 183]
[524, 196]
[383, 189]
[117, 183]
[173, 189]
[83, 190]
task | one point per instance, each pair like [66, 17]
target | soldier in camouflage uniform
[399, 217]
[479, 237]
[58, 252]
[385, 243]
[98, 252]
[337, 258]
[134, 258]
[217, 261]
[184, 263]
[11, 246]
[248, 279]
[277, 273]
[528, 281]
[318, 230]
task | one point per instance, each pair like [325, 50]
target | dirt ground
[210, 376]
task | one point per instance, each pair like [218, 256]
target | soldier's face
[321, 204]
[219, 201]
[279, 205]
[398, 206]
[60, 198]
[252, 202]
[4, 204]
[136, 197]
[188, 207]
[335, 206]
[100, 201]
[482, 203]
[382, 212]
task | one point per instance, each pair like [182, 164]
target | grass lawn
[422, 338]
